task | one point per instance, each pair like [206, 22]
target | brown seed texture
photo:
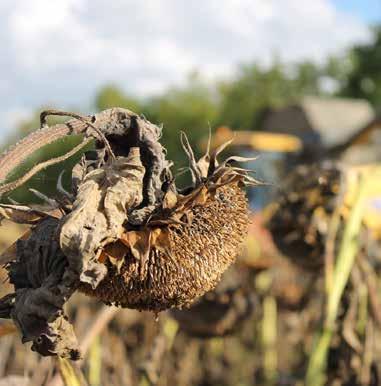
[195, 256]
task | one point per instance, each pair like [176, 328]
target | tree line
[240, 102]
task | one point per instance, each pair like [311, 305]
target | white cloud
[15, 115]
[61, 51]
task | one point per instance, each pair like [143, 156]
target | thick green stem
[345, 259]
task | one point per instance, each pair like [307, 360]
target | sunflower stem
[347, 253]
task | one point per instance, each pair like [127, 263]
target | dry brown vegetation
[310, 316]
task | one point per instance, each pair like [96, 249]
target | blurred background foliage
[363, 78]
[239, 102]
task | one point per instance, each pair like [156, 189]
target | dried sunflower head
[311, 211]
[299, 220]
[129, 236]
[190, 238]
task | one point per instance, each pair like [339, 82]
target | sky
[60, 52]
[367, 10]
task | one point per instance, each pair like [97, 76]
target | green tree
[257, 87]
[191, 108]
[364, 77]
[112, 96]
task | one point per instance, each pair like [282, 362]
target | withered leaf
[20, 214]
[101, 207]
